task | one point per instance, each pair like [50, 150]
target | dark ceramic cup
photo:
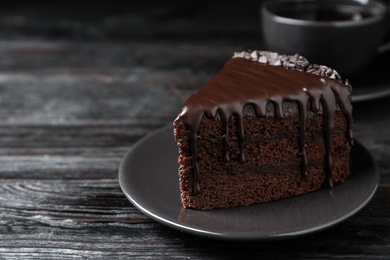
[343, 34]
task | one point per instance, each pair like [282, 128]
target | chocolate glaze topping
[260, 77]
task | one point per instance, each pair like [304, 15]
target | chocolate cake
[266, 127]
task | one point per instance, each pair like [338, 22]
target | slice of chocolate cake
[266, 127]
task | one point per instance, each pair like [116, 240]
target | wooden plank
[58, 167]
[72, 136]
[70, 218]
[34, 101]
[136, 56]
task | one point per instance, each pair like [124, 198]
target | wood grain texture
[92, 218]
[78, 88]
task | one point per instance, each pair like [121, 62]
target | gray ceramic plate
[365, 93]
[149, 179]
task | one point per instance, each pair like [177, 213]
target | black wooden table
[81, 83]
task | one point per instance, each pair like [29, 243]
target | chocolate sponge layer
[273, 161]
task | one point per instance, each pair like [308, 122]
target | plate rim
[241, 237]
[363, 94]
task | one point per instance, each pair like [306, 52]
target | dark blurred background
[131, 20]
[230, 22]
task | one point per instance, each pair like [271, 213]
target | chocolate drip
[249, 79]
[303, 121]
